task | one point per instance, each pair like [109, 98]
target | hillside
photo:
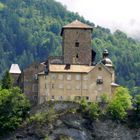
[30, 31]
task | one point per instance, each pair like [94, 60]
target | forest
[30, 31]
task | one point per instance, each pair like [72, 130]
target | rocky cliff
[68, 124]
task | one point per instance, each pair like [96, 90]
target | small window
[98, 99]
[52, 85]
[61, 98]
[53, 76]
[77, 44]
[35, 77]
[61, 86]
[99, 80]
[85, 77]
[85, 87]
[68, 77]
[52, 98]
[77, 97]
[77, 87]
[87, 98]
[77, 56]
[60, 76]
[99, 68]
[45, 85]
[78, 77]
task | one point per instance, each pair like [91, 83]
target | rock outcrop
[73, 126]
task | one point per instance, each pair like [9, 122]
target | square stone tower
[76, 44]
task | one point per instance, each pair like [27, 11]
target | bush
[94, 111]
[119, 105]
[83, 105]
[43, 117]
[13, 109]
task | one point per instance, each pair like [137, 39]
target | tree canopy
[13, 109]
[120, 103]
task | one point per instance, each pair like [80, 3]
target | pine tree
[7, 81]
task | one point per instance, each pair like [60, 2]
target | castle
[72, 76]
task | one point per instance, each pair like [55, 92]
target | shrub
[83, 105]
[119, 105]
[43, 117]
[94, 111]
[13, 108]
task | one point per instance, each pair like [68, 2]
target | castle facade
[72, 76]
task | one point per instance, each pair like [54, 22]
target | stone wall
[77, 46]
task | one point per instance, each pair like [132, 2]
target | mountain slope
[30, 31]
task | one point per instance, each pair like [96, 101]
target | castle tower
[76, 45]
[108, 63]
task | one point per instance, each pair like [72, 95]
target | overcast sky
[113, 14]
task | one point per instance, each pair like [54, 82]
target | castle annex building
[72, 76]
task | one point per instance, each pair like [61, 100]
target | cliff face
[72, 126]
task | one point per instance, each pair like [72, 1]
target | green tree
[119, 105]
[13, 109]
[94, 111]
[137, 102]
[7, 81]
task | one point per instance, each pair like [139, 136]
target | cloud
[113, 14]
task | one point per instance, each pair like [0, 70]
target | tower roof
[15, 69]
[76, 25]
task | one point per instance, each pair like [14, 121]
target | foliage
[119, 105]
[136, 103]
[83, 105]
[43, 117]
[7, 81]
[104, 98]
[13, 108]
[94, 111]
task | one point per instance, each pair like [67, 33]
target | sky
[112, 14]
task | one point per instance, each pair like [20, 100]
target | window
[98, 99]
[77, 97]
[68, 77]
[61, 98]
[85, 77]
[61, 86]
[52, 85]
[77, 44]
[87, 98]
[35, 77]
[53, 76]
[85, 87]
[78, 87]
[99, 80]
[77, 56]
[78, 77]
[52, 98]
[99, 68]
[60, 77]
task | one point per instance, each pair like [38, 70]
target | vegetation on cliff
[14, 105]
